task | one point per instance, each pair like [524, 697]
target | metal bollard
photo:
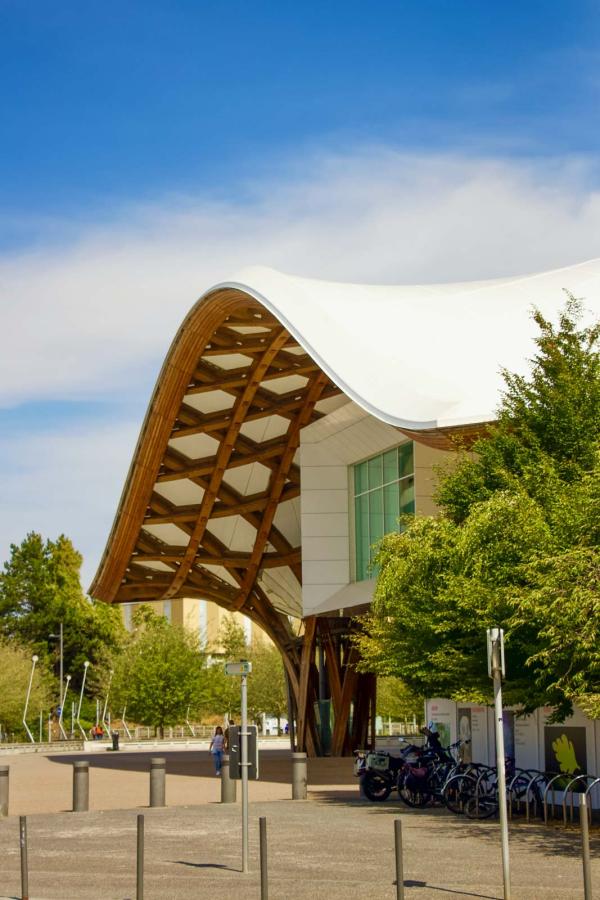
[139, 882]
[585, 848]
[4, 790]
[24, 863]
[81, 786]
[299, 776]
[157, 781]
[399, 860]
[228, 785]
[264, 872]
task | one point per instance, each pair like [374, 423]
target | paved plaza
[332, 846]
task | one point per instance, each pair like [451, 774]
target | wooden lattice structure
[213, 481]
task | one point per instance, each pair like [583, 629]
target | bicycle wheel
[457, 791]
[483, 805]
[414, 797]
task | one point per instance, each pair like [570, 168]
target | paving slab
[326, 847]
[332, 846]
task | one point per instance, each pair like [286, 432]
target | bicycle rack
[548, 786]
[519, 775]
[540, 776]
[569, 790]
[595, 783]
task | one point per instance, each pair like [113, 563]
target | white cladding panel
[328, 447]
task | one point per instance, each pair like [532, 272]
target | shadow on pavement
[193, 865]
[275, 765]
[453, 891]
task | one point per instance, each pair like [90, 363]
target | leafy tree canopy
[517, 545]
[159, 673]
[266, 685]
[39, 589]
[15, 672]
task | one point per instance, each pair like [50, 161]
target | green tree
[267, 693]
[517, 545]
[39, 589]
[159, 673]
[396, 701]
[222, 696]
[15, 672]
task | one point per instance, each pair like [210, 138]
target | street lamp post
[59, 636]
[104, 725]
[62, 708]
[85, 670]
[34, 660]
[495, 640]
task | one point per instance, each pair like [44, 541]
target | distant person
[230, 725]
[217, 748]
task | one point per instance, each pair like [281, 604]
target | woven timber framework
[213, 475]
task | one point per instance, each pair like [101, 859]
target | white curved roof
[420, 356]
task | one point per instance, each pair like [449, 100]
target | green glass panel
[375, 472]
[375, 518]
[407, 496]
[405, 459]
[360, 478]
[391, 507]
[390, 466]
[361, 522]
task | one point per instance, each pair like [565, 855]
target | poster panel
[465, 733]
[565, 749]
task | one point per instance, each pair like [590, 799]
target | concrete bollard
[585, 848]
[4, 790]
[81, 786]
[158, 766]
[299, 776]
[228, 785]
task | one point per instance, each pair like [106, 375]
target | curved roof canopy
[210, 507]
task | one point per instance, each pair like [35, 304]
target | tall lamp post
[85, 671]
[59, 636]
[496, 669]
[34, 660]
[62, 709]
[104, 725]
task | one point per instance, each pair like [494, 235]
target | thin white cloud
[83, 318]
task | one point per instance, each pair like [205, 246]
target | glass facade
[384, 490]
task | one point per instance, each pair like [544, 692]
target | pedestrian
[230, 725]
[216, 748]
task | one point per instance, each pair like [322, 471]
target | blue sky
[102, 103]
[149, 149]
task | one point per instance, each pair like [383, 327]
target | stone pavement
[332, 846]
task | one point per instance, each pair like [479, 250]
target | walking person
[217, 748]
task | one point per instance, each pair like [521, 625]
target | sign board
[235, 769]
[238, 668]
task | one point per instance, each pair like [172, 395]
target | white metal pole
[85, 670]
[62, 660]
[34, 660]
[244, 766]
[104, 725]
[62, 708]
[500, 760]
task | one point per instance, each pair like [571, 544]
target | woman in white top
[217, 748]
